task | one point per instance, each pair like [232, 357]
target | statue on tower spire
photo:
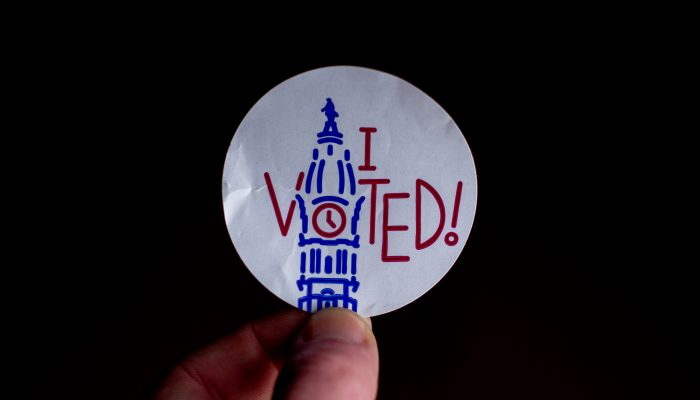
[330, 128]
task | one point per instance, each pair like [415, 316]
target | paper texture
[348, 187]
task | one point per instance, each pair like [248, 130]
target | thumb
[335, 357]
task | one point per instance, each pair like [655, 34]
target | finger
[243, 365]
[335, 357]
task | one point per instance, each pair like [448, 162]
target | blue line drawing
[341, 177]
[328, 267]
[319, 179]
[312, 261]
[327, 297]
[302, 214]
[310, 176]
[318, 261]
[330, 128]
[338, 261]
[351, 176]
[330, 136]
[356, 215]
[328, 282]
[334, 199]
[345, 262]
[354, 242]
[329, 140]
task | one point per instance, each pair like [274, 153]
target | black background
[575, 282]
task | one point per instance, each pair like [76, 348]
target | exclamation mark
[452, 238]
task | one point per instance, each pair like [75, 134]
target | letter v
[284, 227]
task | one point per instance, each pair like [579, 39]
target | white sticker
[348, 187]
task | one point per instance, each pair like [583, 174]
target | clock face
[329, 220]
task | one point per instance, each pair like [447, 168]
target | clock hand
[329, 219]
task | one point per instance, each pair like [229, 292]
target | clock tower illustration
[330, 212]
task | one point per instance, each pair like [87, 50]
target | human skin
[289, 355]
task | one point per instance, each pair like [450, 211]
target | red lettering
[458, 197]
[373, 202]
[422, 245]
[300, 179]
[284, 227]
[368, 145]
[386, 228]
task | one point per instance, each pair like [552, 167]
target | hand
[331, 354]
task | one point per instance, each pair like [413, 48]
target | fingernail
[338, 324]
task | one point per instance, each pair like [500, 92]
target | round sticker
[348, 187]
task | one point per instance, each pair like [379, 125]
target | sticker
[348, 187]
